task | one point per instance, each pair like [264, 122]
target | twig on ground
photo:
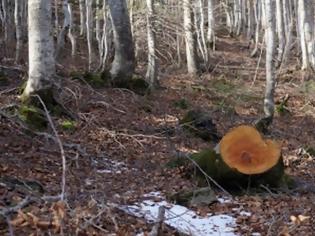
[6, 211]
[63, 157]
[157, 228]
[11, 233]
[206, 175]
[134, 137]
[100, 94]
[9, 90]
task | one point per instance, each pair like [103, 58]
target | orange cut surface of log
[244, 149]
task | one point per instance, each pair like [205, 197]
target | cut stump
[244, 159]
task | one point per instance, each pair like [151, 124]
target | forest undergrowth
[118, 144]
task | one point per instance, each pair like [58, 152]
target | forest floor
[121, 142]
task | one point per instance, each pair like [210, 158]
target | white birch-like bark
[56, 16]
[124, 60]
[229, 16]
[288, 28]
[70, 32]
[196, 14]
[190, 38]
[104, 40]
[151, 74]
[202, 31]
[270, 53]
[18, 29]
[280, 31]
[250, 19]
[131, 16]
[41, 48]
[89, 31]
[210, 32]
[66, 29]
[237, 12]
[306, 29]
[98, 26]
[82, 10]
[257, 14]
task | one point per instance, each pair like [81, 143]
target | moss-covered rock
[33, 117]
[200, 124]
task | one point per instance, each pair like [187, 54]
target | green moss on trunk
[31, 110]
[135, 84]
[212, 163]
[33, 117]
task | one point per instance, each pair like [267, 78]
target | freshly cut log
[243, 159]
[244, 149]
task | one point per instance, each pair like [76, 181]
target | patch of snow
[112, 166]
[153, 194]
[104, 171]
[224, 200]
[183, 219]
[245, 213]
[256, 234]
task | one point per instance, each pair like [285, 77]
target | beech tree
[151, 74]
[124, 60]
[41, 50]
[190, 38]
[270, 53]
[306, 32]
[164, 31]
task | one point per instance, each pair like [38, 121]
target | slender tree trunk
[270, 53]
[257, 13]
[89, 31]
[41, 49]
[124, 60]
[98, 26]
[311, 33]
[151, 75]
[280, 31]
[82, 10]
[56, 16]
[250, 19]
[201, 27]
[67, 27]
[104, 40]
[308, 31]
[18, 29]
[288, 26]
[229, 16]
[210, 33]
[190, 38]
